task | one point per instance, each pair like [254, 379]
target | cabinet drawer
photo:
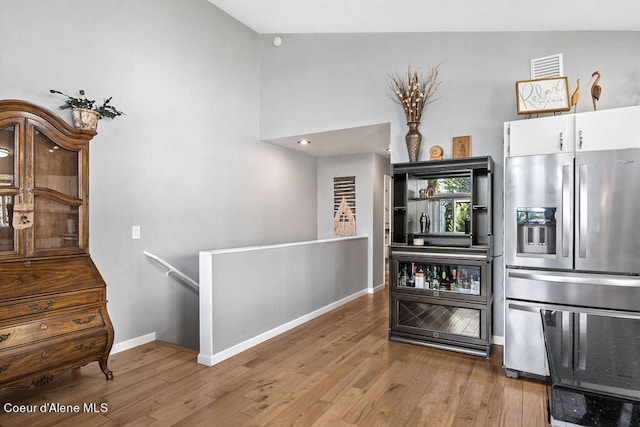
[42, 329]
[33, 278]
[40, 359]
[42, 304]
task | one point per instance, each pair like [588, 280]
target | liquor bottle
[412, 276]
[444, 282]
[453, 279]
[403, 277]
[475, 284]
[420, 275]
[435, 281]
[466, 284]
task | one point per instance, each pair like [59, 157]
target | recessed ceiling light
[304, 142]
[4, 152]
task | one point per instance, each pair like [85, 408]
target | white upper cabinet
[592, 131]
[539, 136]
[608, 129]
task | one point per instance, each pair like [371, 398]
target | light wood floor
[337, 370]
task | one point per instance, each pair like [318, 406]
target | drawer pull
[4, 337]
[83, 347]
[82, 322]
[45, 354]
[43, 326]
[39, 307]
[45, 379]
[4, 367]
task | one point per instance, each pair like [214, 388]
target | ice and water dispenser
[536, 230]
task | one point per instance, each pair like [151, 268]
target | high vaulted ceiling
[393, 16]
[376, 16]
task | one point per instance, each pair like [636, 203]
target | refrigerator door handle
[582, 342]
[566, 209]
[582, 214]
[565, 350]
[586, 279]
[531, 308]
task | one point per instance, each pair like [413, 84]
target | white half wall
[248, 295]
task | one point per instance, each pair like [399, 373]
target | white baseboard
[375, 289]
[498, 339]
[133, 342]
[210, 360]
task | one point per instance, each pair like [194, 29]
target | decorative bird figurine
[596, 90]
[575, 97]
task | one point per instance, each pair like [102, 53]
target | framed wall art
[461, 147]
[547, 95]
[344, 206]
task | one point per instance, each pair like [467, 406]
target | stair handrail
[172, 270]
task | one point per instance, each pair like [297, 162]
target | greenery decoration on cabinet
[85, 112]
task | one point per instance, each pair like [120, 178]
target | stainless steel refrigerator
[572, 245]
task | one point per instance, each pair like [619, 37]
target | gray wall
[198, 88]
[321, 82]
[369, 170]
[185, 163]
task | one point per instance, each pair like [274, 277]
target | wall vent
[547, 66]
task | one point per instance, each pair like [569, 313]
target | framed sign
[461, 147]
[543, 95]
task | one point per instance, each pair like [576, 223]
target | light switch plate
[135, 232]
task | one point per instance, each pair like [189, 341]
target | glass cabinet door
[55, 172]
[9, 177]
[460, 274]
[438, 319]
[449, 277]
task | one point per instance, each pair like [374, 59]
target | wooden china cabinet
[53, 313]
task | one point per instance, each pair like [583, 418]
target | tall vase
[413, 139]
